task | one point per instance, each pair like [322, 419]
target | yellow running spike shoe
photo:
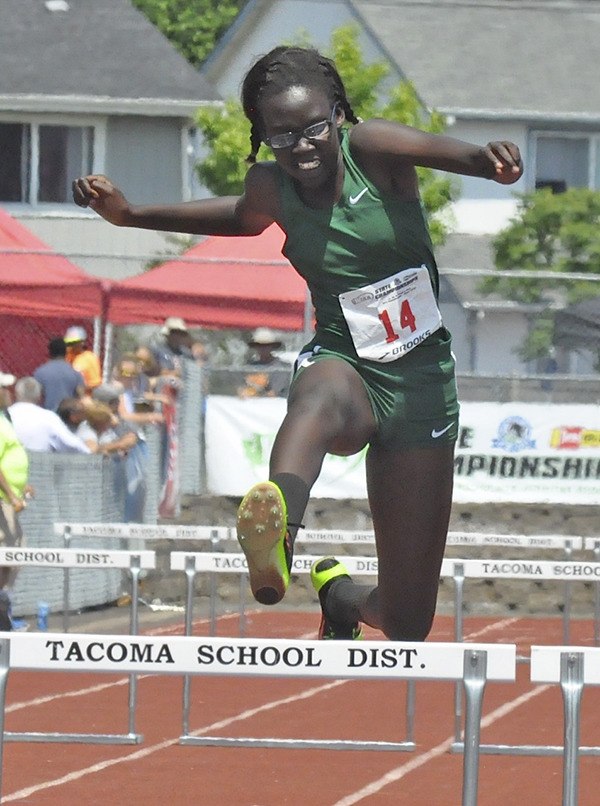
[263, 535]
[323, 574]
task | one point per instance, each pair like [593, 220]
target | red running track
[160, 771]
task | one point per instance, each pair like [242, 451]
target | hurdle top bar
[255, 656]
[221, 562]
[137, 531]
[546, 663]
[331, 536]
[549, 541]
[75, 558]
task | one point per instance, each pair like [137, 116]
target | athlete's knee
[324, 407]
[406, 627]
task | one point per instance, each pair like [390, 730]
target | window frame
[593, 149]
[99, 131]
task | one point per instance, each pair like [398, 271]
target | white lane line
[439, 750]
[147, 751]
[80, 692]
[496, 625]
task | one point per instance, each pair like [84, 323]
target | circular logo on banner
[514, 434]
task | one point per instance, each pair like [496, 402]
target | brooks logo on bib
[390, 317]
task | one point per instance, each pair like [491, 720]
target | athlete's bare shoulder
[377, 146]
[262, 188]
[258, 206]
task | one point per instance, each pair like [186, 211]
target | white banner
[506, 452]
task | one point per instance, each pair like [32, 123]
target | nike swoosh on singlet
[358, 197]
[435, 434]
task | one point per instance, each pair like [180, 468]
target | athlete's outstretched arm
[248, 214]
[394, 142]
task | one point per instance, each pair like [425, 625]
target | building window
[565, 161]
[40, 161]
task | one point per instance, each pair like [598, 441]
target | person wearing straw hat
[171, 345]
[269, 375]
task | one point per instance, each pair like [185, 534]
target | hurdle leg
[568, 599]
[242, 615]
[597, 599]
[571, 684]
[214, 541]
[458, 576]
[411, 697]
[190, 573]
[4, 667]
[474, 678]
[66, 584]
[134, 569]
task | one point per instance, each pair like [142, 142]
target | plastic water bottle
[42, 616]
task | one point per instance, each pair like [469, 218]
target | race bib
[390, 317]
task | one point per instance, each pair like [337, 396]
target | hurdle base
[77, 738]
[301, 744]
[524, 749]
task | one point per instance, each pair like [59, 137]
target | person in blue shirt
[58, 378]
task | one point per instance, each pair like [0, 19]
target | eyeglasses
[312, 132]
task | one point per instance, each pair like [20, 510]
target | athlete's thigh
[410, 495]
[336, 396]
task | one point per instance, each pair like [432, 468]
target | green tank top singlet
[366, 236]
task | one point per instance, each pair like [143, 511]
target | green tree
[192, 26]
[551, 232]
[227, 132]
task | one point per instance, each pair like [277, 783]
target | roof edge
[537, 115]
[105, 105]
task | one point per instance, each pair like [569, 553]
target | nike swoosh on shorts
[435, 434]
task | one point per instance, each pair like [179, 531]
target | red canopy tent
[235, 282]
[41, 294]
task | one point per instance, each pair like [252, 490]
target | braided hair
[284, 67]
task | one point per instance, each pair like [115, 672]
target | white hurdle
[217, 535]
[474, 664]
[64, 559]
[573, 668]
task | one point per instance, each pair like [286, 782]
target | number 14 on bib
[392, 316]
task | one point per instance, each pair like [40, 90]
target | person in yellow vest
[83, 359]
[14, 490]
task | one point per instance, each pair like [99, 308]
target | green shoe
[263, 535]
[323, 574]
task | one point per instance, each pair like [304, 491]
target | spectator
[37, 428]
[172, 346]
[14, 468]
[148, 364]
[100, 430]
[57, 377]
[269, 376]
[83, 359]
[6, 381]
[71, 411]
[200, 353]
[136, 401]
[106, 433]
